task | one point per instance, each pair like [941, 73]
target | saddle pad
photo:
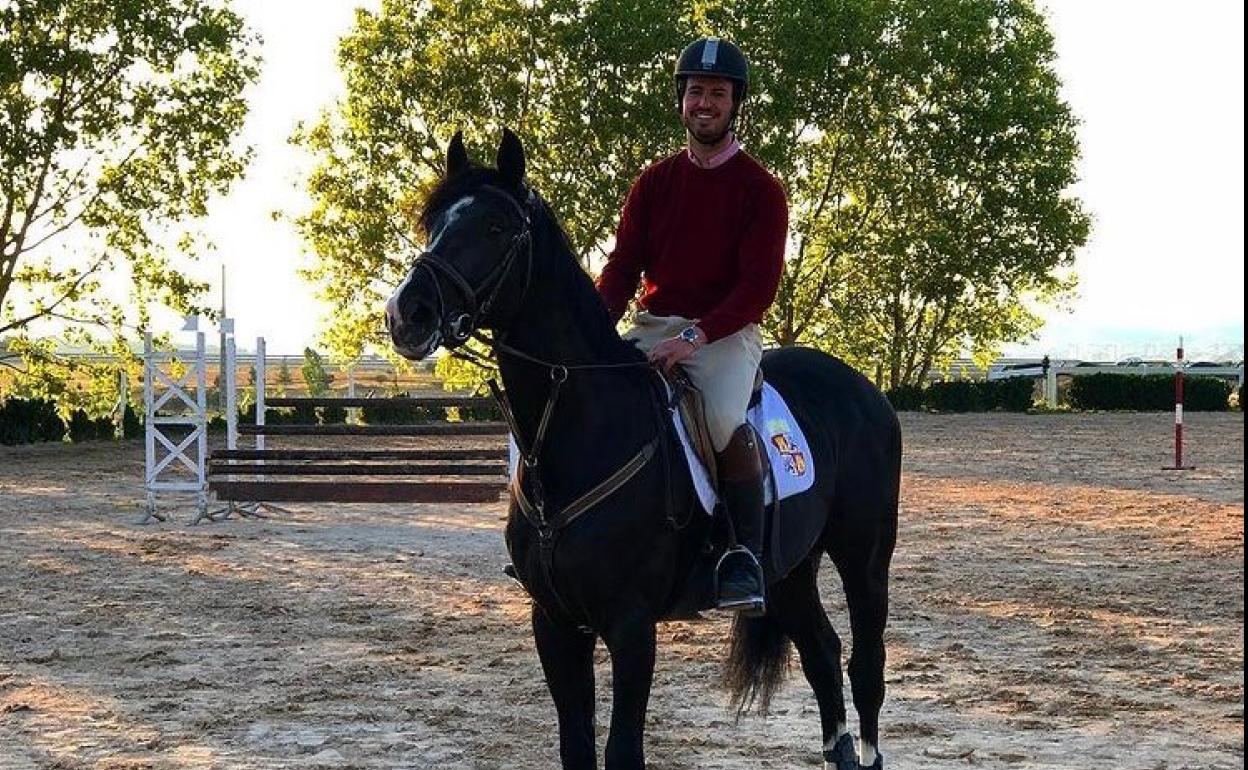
[789, 453]
[792, 471]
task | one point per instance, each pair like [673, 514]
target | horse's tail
[758, 661]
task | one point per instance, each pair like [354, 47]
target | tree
[930, 205]
[315, 374]
[416, 73]
[116, 127]
[925, 150]
[284, 379]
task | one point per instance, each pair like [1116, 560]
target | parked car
[1143, 363]
[1022, 369]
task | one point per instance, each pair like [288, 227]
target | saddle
[785, 545]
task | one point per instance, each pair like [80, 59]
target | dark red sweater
[707, 243]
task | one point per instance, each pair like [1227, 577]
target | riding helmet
[716, 57]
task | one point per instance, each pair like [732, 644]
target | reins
[533, 503]
[530, 454]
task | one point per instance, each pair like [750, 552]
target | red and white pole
[1178, 411]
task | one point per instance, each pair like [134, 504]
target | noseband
[460, 328]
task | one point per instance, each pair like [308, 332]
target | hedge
[906, 398]
[303, 414]
[131, 425]
[1147, 393]
[1010, 395]
[390, 414]
[26, 421]
[485, 412]
[376, 414]
[83, 427]
[1099, 392]
[332, 415]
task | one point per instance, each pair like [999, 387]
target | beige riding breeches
[723, 370]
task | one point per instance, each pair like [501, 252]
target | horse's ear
[510, 160]
[456, 156]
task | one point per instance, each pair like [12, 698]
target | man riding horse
[704, 231]
[603, 556]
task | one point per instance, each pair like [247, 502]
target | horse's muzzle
[414, 333]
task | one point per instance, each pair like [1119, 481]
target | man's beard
[709, 136]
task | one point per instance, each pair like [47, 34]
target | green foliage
[284, 379]
[332, 415]
[905, 398]
[954, 396]
[303, 414]
[82, 427]
[1121, 391]
[131, 425]
[484, 413]
[1147, 393]
[930, 200]
[1010, 395]
[27, 421]
[392, 414]
[315, 375]
[117, 123]
[72, 382]
[586, 85]
[924, 144]
[459, 375]
[1015, 394]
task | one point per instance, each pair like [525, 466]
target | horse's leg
[567, 657]
[865, 578]
[795, 604]
[631, 642]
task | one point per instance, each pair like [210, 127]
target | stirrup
[750, 606]
[753, 607]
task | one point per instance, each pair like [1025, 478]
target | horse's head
[479, 256]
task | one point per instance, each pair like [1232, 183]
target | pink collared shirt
[719, 158]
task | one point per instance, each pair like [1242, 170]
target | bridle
[457, 330]
[533, 503]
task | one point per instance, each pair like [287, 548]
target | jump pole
[1178, 414]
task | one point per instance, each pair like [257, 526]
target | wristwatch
[690, 334]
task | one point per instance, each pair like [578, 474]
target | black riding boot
[740, 572]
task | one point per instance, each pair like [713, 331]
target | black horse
[609, 530]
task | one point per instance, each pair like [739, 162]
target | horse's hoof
[842, 755]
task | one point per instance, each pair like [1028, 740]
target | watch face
[690, 336]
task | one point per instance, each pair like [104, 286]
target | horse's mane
[583, 300]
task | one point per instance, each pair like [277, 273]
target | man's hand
[673, 350]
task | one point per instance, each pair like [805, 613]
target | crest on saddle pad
[792, 456]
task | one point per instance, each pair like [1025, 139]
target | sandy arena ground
[1058, 601]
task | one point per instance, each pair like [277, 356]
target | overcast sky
[1157, 85]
